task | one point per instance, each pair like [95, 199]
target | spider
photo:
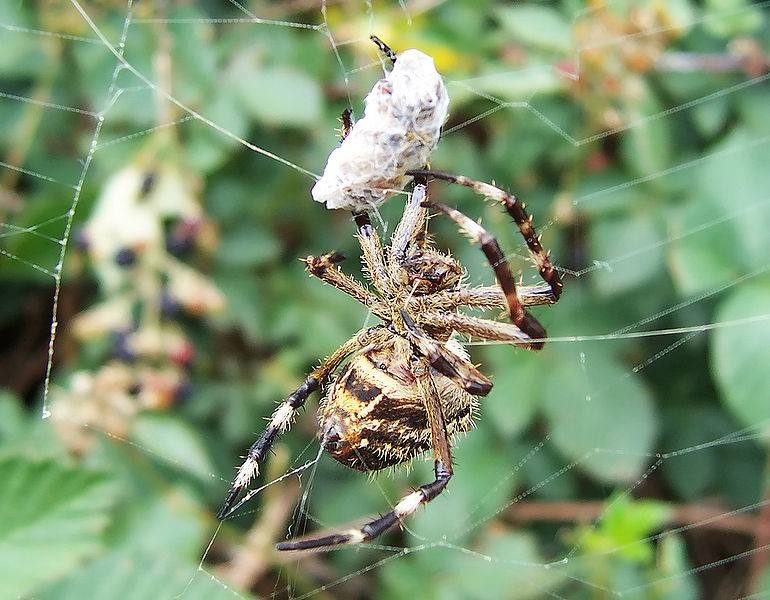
[408, 386]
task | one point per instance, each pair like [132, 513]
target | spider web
[565, 567]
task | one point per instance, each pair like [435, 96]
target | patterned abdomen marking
[373, 416]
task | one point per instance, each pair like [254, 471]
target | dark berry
[179, 244]
[182, 235]
[169, 306]
[147, 184]
[120, 348]
[81, 240]
[183, 391]
[125, 257]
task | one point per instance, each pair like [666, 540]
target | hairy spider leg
[476, 327]
[491, 296]
[410, 229]
[516, 209]
[372, 253]
[282, 419]
[446, 362]
[409, 503]
[520, 317]
[347, 123]
[384, 48]
[325, 268]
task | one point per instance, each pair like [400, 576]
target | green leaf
[513, 558]
[174, 441]
[207, 148]
[519, 86]
[129, 575]
[612, 241]
[537, 26]
[600, 415]
[607, 192]
[171, 523]
[405, 578]
[23, 55]
[693, 474]
[248, 246]
[627, 523]
[193, 56]
[737, 185]
[279, 96]
[51, 518]
[12, 419]
[752, 108]
[764, 581]
[245, 302]
[341, 496]
[740, 354]
[542, 464]
[702, 257]
[675, 579]
[742, 473]
[516, 395]
[725, 224]
[500, 565]
[646, 146]
[709, 118]
[732, 18]
[624, 528]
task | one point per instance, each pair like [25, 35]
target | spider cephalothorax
[407, 386]
[429, 272]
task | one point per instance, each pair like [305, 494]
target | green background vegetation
[596, 425]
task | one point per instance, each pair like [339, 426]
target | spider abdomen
[374, 417]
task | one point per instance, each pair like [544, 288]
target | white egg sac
[399, 130]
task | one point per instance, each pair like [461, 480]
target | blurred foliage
[654, 202]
